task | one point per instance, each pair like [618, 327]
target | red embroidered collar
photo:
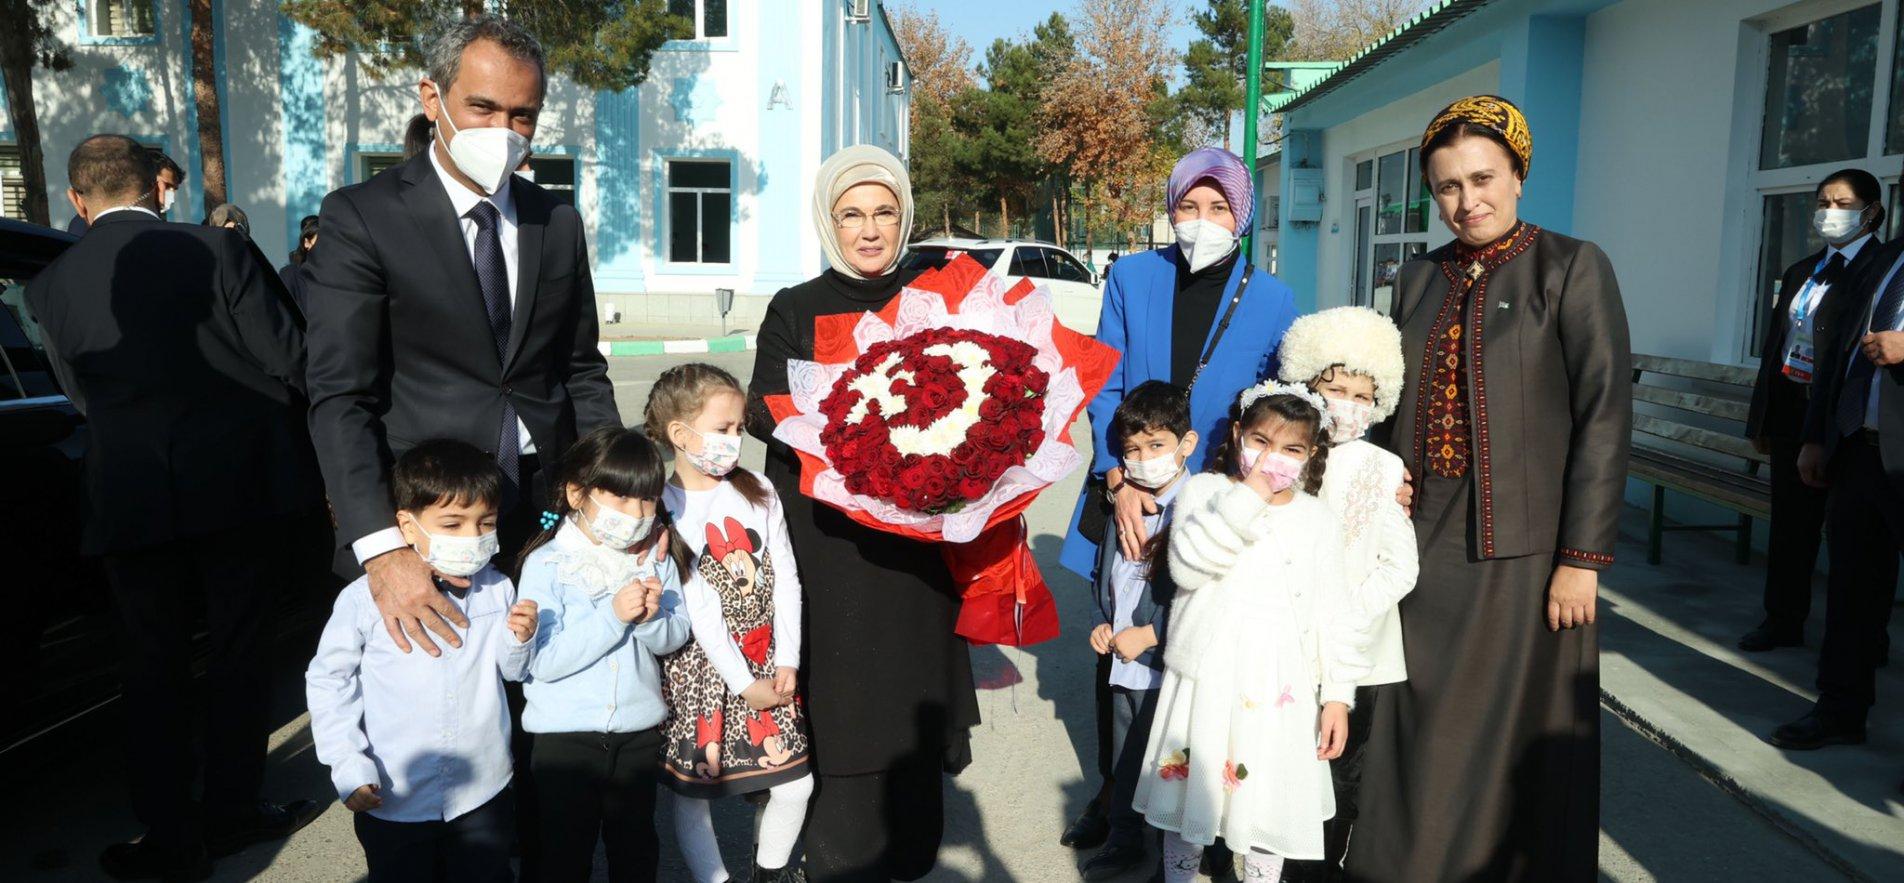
[1473, 263]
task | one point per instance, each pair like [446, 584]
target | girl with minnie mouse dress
[736, 723]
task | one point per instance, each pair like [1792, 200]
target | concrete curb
[1730, 785]
[731, 344]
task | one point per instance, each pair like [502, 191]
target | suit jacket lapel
[1415, 277]
[532, 219]
[437, 223]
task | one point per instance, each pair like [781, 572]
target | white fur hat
[1357, 338]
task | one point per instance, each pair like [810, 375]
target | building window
[700, 212]
[12, 184]
[1818, 90]
[1820, 115]
[370, 164]
[1391, 225]
[555, 174]
[709, 16]
[119, 18]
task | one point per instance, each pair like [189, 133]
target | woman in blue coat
[1195, 314]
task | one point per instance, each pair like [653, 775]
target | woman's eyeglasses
[856, 220]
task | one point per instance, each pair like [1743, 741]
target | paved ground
[1662, 818]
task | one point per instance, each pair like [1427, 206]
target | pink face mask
[1282, 469]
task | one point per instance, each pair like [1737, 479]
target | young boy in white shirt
[418, 746]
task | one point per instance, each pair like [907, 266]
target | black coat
[888, 681]
[1842, 323]
[177, 343]
[292, 276]
[1550, 393]
[1778, 406]
[400, 345]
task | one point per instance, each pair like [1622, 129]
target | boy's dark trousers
[593, 786]
[1346, 773]
[472, 847]
[1131, 714]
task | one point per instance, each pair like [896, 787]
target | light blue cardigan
[1139, 294]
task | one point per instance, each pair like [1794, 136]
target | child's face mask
[1349, 419]
[1282, 469]
[614, 528]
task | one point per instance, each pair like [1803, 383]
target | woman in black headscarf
[888, 683]
[1484, 764]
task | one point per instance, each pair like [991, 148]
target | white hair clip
[1271, 388]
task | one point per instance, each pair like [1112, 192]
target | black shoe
[1766, 638]
[1089, 831]
[270, 821]
[1219, 863]
[787, 874]
[143, 861]
[1114, 860]
[1816, 730]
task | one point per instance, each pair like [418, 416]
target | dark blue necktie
[1857, 386]
[492, 275]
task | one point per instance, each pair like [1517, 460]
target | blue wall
[618, 247]
[777, 173]
[301, 90]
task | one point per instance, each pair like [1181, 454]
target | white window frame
[12, 180]
[1361, 282]
[700, 206]
[1755, 67]
[700, 23]
[99, 19]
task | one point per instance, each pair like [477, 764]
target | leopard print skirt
[717, 745]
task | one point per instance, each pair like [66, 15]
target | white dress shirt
[462, 199]
[122, 208]
[431, 732]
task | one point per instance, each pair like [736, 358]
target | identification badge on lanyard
[1801, 353]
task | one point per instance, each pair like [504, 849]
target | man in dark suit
[1782, 393]
[451, 299]
[176, 344]
[1854, 445]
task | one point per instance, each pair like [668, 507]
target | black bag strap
[1223, 324]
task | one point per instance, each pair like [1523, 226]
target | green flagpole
[1252, 107]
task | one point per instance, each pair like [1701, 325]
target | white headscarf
[849, 168]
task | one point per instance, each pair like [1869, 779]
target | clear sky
[982, 21]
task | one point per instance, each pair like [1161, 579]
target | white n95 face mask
[1204, 243]
[459, 556]
[1838, 225]
[487, 155]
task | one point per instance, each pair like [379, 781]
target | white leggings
[779, 826]
[1181, 858]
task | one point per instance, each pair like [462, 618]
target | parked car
[65, 664]
[1074, 288]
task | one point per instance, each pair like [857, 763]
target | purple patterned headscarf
[1224, 168]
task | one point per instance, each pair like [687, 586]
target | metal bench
[1667, 453]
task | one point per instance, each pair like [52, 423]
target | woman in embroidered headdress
[1515, 413]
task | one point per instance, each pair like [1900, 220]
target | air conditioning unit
[860, 11]
[895, 76]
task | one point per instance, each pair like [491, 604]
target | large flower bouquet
[940, 418]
